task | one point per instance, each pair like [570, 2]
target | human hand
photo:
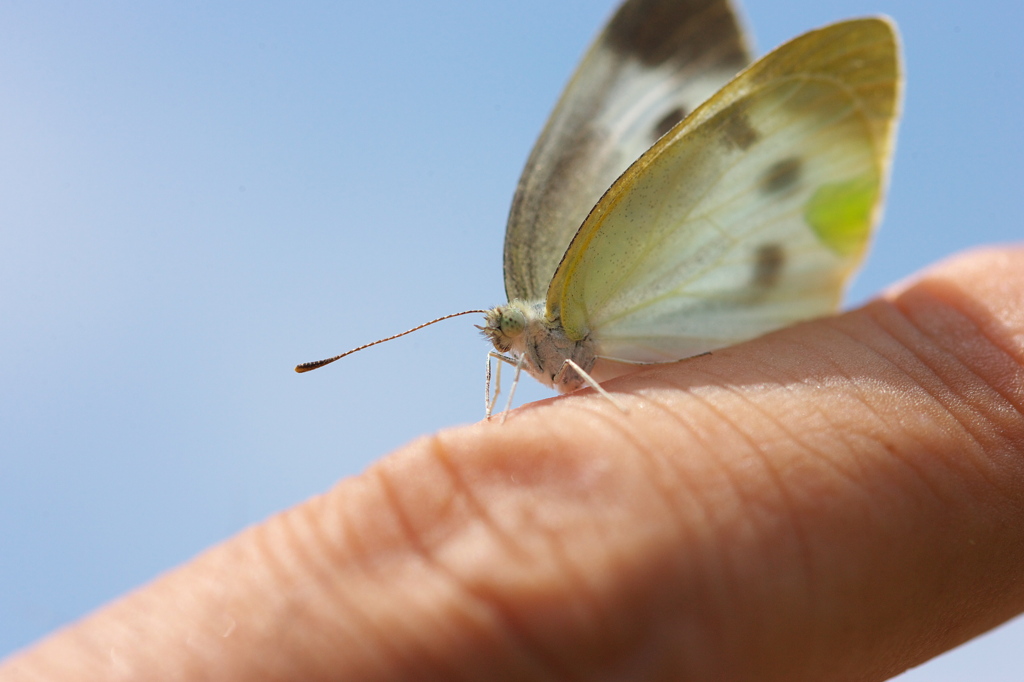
[840, 500]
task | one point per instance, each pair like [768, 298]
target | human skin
[840, 500]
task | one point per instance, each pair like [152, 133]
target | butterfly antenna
[306, 366]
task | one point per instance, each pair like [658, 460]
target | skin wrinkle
[686, 521]
[1011, 388]
[426, 554]
[365, 625]
[305, 566]
[556, 663]
[965, 309]
[973, 424]
[605, 620]
[850, 480]
[318, 554]
[317, 639]
[413, 538]
[650, 456]
[412, 664]
[422, 554]
[678, 481]
[784, 509]
[384, 653]
[685, 518]
[727, 575]
[805, 553]
[734, 428]
[853, 384]
[778, 478]
[542, 662]
[703, 442]
[647, 455]
[698, 402]
[909, 458]
[953, 408]
[708, 575]
[390, 654]
[347, 541]
[945, 393]
[898, 454]
[271, 555]
[883, 526]
[980, 463]
[462, 489]
[526, 655]
[902, 370]
[835, 463]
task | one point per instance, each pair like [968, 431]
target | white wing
[654, 62]
[750, 215]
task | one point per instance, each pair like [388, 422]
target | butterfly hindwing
[749, 215]
[654, 62]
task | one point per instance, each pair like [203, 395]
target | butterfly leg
[491, 400]
[488, 402]
[512, 391]
[590, 381]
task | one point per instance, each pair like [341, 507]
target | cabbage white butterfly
[679, 200]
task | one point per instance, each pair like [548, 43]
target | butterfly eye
[512, 322]
[503, 325]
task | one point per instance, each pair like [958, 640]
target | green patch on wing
[840, 213]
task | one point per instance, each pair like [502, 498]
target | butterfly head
[505, 325]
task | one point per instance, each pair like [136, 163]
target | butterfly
[681, 199]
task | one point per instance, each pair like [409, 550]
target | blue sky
[195, 196]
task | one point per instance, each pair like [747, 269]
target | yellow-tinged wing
[654, 62]
[750, 214]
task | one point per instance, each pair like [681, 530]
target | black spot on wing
[667, 122]
[737, 131]
[782, 176]
[657, 31]
[768, 263]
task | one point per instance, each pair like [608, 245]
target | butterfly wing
[655, 61]
[749, 215]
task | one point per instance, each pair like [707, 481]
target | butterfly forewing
[655, 62]
[749, 215]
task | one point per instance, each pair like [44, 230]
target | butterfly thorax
[522, 331]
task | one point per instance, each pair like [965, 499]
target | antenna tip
[306, 366]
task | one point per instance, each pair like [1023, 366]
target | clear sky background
[195, 196]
